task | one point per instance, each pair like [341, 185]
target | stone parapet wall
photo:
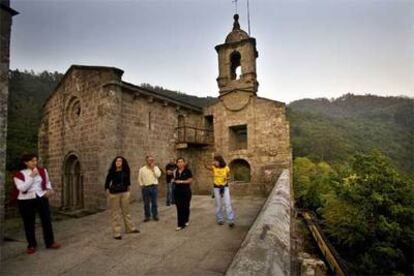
[266, 249]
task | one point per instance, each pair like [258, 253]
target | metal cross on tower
[248, 12]
[235, 5]
[248, 16]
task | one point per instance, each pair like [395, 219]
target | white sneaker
[187, 223]
[179, 228]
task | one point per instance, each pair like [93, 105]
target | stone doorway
[72, 184]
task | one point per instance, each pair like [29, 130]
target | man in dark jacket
[169, 169]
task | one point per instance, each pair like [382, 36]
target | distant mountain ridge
[333, 129]
[350, 105]
[191, 99]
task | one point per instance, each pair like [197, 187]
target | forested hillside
[28, 92]
[354, 167]
[332, 130]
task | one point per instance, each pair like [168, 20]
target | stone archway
[240, 171]
[72, 184]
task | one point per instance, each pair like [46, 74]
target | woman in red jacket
[34, 188]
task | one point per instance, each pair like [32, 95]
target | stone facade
[93, 116]
[6, 14]
[267, 150]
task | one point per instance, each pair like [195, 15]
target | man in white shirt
[148, 180]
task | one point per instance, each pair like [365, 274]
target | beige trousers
[120, 207]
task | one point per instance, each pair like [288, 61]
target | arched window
[72, 184]
[73, 111]
[240, 170]
[235, 65]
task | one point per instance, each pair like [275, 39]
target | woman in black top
[117, 186]
[182, 193]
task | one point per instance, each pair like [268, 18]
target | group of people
[33, 187]
[178, 191]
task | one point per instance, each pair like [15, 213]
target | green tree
[28, 93]
[312, 182]
[371, 218]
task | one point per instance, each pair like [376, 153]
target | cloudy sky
[307, 48]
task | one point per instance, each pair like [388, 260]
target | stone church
[93, 116]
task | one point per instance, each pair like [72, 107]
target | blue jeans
[149, 195]
[227, 204]
[170, 193]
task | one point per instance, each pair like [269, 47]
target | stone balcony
[188, 136]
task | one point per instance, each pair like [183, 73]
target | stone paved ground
[204, 248]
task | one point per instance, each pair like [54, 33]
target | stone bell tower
[237, 62]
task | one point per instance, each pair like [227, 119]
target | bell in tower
[237, 62]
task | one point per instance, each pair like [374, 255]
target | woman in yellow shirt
[221, 175]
